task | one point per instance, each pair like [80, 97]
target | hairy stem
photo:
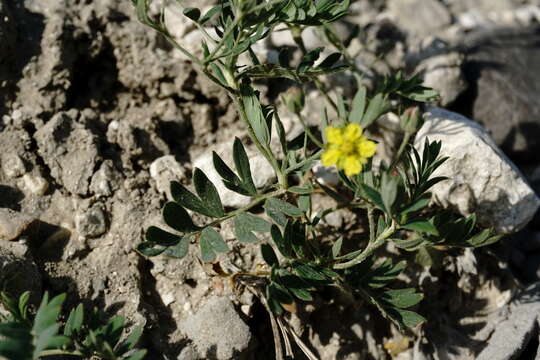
[58, 352]
[370, 249]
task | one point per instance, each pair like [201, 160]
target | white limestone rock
[164, 170]
[481, 179]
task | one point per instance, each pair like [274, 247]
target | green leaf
[409, 318]
[192, 13]
[211, 243]
[308, 60]
[284, 247]
[210, 14]
[330, 60]
[178, 218]
[358, 105]
[389, 189]
[307, 272]
[409, 244]
[283, 207]
[187, 199]
[295, 234]
[149, 249]
[208, 194]
[295, 285]
[75, 321]
[255, 114]
[241, 162]
[179, 250]
[269, 255]
[377, 106]
[401, 298]
[131, 341]
[245, 224]
[418, 205]
[223, 170]
[372, 195]
[336, 247]
[422, 226]
[161, 237]
[47, 313]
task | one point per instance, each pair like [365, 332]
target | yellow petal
[353, 132]
[367, 148]
[352, 165]
[334, 135]
[330, 157]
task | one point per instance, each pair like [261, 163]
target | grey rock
[481, 179]
[106, 180]
[13, 223]
[164, 170]
[459, 6]
[188, 353]
[92, 223]
[503, 68]
[419, 17]
[69, 150]
[443, 73]
[217, 330]
[512, 335]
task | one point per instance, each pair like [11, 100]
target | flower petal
[334, 135]
[367, 148]
[352, 165]
[330, 157]
[353, 132]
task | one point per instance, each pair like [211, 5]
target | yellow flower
[347, 148]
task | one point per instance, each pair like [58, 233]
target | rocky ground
[98, 114]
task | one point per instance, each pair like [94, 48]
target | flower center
[347, 147]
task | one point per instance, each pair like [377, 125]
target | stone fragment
[69, 150]
[12, 165]
[443, 73]
[13, 223]
[419, 17]
[217, 330]
[91, 223]
[35, 184]
[326, 175]
[512, 336]
[261, 171]
[503, 68]
[481, 179]
[164, 170]
[106, 180]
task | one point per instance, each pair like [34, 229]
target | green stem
[309, 133]
[322, 89]
[315, 156]
[369, 250]
[404, 143]
[258, 200]
[58, 352]
[371, 219]
[238, 19]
